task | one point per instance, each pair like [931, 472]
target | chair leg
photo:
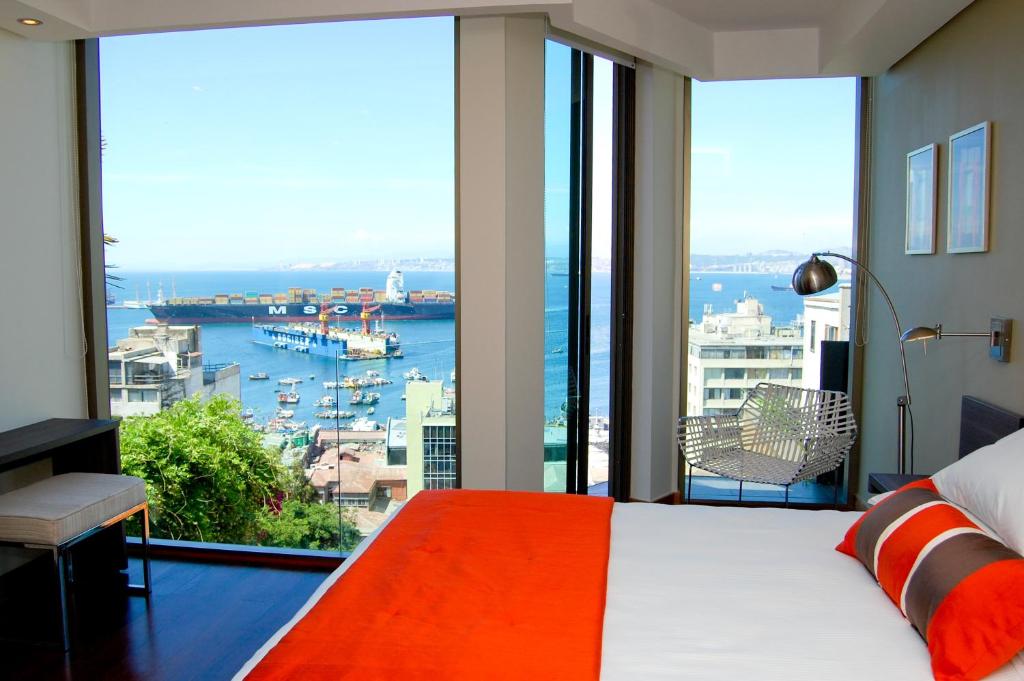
[689, 483]
[787, 496]
[60, 567]
[741, 490]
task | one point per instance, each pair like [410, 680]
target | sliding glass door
[582, 192]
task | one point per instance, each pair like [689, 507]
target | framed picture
[922, 192]
[969, 152]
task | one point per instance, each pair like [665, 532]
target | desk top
[25, 444]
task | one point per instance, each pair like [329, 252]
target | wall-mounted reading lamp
[999, 335]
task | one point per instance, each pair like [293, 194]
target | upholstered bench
[58, 512]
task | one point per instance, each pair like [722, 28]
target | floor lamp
[814, 276]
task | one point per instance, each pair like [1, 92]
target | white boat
[453, 376]
[372, 374]
[364, 425]
[371, 410]
[285, 413]
[414, 374]
[326, 401]
[288, 398]
[331, 385]
[289, 381]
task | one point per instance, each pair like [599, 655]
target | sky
[263, 147]
[772, 165]
[269, 147]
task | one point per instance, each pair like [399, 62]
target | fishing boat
[359, 397]
[372, 374]
[285, 413]
[332, 385]
[288, 398]
[289, 381]
[326, 401]
[259, 376]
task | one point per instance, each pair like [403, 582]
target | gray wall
[966, 73]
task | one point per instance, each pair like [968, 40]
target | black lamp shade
[814, 276]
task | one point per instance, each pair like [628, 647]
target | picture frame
[922, 200]
[967, 209]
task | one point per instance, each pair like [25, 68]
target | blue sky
[772, 165]
[259, 147]
[265, 147]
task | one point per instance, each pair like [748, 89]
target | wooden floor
[203, 622]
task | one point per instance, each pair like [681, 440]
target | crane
[364, 317]
[324, 316]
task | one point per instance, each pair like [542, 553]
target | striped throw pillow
[961, 589]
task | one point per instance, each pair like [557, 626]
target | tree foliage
[209, 478]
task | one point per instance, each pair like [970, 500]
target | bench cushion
[59, 508]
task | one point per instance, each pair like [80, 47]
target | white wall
[41, 347]
[501, 252]
[658, 266]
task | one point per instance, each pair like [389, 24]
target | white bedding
[697, 592]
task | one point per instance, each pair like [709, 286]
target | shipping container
[220, 299]
[280, 298]
[380, 297]
[266, 298]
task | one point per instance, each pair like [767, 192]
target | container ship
[306, 305]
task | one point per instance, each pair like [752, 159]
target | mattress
[710, 593]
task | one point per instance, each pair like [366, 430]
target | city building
[156, 366]
[826, 318]
[430, 436]
[731, 352]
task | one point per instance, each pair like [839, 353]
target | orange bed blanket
[463, 585]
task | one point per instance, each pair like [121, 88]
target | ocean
[427, 345]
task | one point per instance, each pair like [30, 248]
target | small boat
[288, 398]
[414, 374]
[558, 351]
[403, 397]
[716, 287]
[359, 397]
[285, 413]
[372, 374]
[326, 401]
[331, 385]
[781, 288]
[259, 376]
[289, 381]
[312, 377]
[371, 410]
[453, 376]
[247, 414]
[334, 414]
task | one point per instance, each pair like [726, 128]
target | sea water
[428, 345]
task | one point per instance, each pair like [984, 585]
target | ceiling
[752, 15]
[706, 39]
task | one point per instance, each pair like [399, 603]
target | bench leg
[60, 567]
[145, 589]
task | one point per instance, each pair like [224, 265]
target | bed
[691, 592]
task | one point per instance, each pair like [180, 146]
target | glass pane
[282, 200]
[600, 279]
[557, 227]
[772, 181]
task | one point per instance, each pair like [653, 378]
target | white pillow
[990, 484]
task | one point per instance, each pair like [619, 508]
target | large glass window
[279, 204]
[578, 224]
[772, 180]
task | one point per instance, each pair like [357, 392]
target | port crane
[364, 317]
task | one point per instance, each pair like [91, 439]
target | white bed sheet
[697, 592]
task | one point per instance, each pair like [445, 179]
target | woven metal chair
[779, 436]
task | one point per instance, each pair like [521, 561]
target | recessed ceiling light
[28, 21]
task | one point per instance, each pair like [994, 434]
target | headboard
[982, 424]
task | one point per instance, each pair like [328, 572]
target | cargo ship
[306, 305]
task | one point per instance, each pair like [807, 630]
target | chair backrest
[796, 424]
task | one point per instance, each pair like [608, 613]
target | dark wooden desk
[74, 445]
[887, 482]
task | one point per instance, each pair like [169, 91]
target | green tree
[308, 525]
[209, 478]
[207, 475]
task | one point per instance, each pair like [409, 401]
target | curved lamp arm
[892, 309]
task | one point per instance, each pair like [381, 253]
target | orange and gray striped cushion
[961, 589]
